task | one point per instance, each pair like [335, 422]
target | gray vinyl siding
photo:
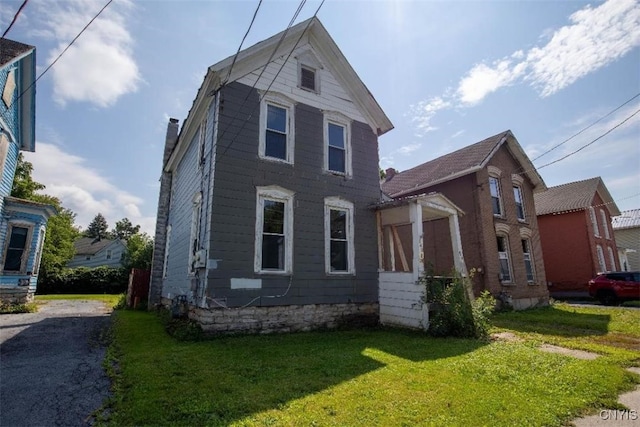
[99, 259]
[186, 182]
[629, 238]
[239, 171]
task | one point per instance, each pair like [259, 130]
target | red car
[613, 287]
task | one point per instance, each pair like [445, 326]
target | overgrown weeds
[13, 308]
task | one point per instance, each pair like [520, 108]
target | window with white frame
[16, 251]
[276, 128]
[528, 263]
[612, 259]
[517, 194]
[308, 71]
[195, 229]
[202, 141]
[503, 256]
[337, 143]
[605, 225]
[41, 236]
[496, 200]
[601, 261]
[339, 236]
[167, 244]
[594, 222]
[274, 230]
[307, 78]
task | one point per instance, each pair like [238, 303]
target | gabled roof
[11, 50]
[15, 204]
[256, 57]
[574, 196]
[462, 162]
[91, 245]
[627, 219]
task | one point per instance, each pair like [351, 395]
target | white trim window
[41, 236]
[274, 230]
[202, 141]
[601, 261]
[167, 244]
[308, 78]
[277, 130]
[612, 259]
[605, 227]
[503, 257]
[594, 222]
[337, 144]
[528, 262]
[496, 200]
[17, 247]
[195, 230]
[517, 194]
[339, 236]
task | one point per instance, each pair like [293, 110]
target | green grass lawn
[375, 377]
[110, 299]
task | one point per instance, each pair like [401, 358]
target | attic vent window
[308, 78]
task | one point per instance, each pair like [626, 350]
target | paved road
[51, 364]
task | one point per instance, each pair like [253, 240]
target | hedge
[85, 280]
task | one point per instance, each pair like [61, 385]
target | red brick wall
[569, 247]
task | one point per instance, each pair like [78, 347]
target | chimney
[389, 174]
[170, 139]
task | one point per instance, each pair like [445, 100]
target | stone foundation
[526, 303]
[15, 295]
[290, 318]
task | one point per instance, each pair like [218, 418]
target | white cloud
[84, 190]
[408, 149]
[595, 38]
[457, 134]
[99, 67]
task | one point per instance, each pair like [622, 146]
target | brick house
[492, 182]
[626, 229]
[576, 233]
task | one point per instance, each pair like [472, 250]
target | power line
[591, 142]
[15, 17]
[242, 42]
[584, 129]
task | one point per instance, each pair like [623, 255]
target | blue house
[22, 222]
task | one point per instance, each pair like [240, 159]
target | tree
[124, 229]
[61, 232]
[24, 187]
[139, 252]
[97, 228]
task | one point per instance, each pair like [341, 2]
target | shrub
[84, 280]
[454, 314]
[13, 308]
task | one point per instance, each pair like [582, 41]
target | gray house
[91, 252]
[626, 229]
[264, 217]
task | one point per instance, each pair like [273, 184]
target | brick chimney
[389, 173]
[162, 217]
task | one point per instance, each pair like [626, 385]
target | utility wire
[242, 42]
[15, 17]
[60, 55]
[584, 129]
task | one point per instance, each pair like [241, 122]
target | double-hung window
[503, 256]
[337, 144]
[517, 194]
[601, 261]
[528, 263]
[612, 259]
[605, 225]
[276, 129]
[194, 241]
[594, 221]
[496, 200]
[16, 252]
[274, 230]
[339, 236]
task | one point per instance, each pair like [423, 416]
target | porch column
[415, 216]
[458, 256]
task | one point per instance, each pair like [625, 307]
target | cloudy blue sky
[448, 74]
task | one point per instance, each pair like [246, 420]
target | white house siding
[99, 259]
[332, 96]
[629, 238]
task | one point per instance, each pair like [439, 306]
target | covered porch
[401, 256]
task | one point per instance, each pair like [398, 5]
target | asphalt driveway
[51, 364]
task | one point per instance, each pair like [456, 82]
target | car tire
[608, 298]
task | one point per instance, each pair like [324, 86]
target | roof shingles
[573, 196]
[10, 49]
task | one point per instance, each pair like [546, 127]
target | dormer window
[308, 78]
